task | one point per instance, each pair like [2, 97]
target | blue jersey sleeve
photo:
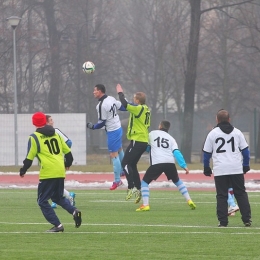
[99, 124]
[246, 156]
[206, 158]
[179, 158]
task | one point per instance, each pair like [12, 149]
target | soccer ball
[88, 67]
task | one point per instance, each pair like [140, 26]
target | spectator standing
[225, 144]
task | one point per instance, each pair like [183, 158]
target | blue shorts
[114, 140]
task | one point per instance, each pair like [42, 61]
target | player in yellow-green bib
[49, 147]
[137, 133]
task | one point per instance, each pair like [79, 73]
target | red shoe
[116, 184]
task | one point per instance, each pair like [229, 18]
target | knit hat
[39, 119]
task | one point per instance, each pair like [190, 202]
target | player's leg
[54, 205]
[58, 197]
[121, 156]
[45, 191]
[232, 206]
[66, 193]
[145, 197]
[222, 185]
[238, 184]
[133, 156]
[114, 142]
[172, 174]
[184, 192]
[117, 170]
[127, 167]
[116, 166]
[137, 150]
[137, 184]
[70, 196]
[152, 173]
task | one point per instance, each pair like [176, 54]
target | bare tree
[153, 51]
[191, 71]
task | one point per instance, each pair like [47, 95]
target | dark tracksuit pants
[237, 182]
[132, 155]
[52, 189]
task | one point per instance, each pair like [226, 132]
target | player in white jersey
[69, 195]
[109, 120]
[163, 152]
[230, 154]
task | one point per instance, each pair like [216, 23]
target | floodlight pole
[14, 21]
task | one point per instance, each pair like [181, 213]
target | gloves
[22, 172]
[246, 169]
[90, 125]
[207, 171]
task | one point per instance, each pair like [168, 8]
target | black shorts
[155, 171]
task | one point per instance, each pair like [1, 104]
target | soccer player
[69, 195]
[49, 148]
[109, 120]
[137, 133]
[225, 144]
[163, 152]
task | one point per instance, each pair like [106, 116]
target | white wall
[72, 125]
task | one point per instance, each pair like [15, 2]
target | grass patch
[111, 228]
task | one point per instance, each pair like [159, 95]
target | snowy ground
[88, 180]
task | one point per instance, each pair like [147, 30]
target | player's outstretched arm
[121, 95]
[98, 125]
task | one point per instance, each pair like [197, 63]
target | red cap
[39, 119]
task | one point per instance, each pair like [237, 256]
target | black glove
[90, 125]
[22, 172]
[246, 169]
[207, 171]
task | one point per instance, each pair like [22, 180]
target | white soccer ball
[88, 67]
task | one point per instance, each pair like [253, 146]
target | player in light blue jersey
[109, 120]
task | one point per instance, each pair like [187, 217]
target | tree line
[187, 56]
